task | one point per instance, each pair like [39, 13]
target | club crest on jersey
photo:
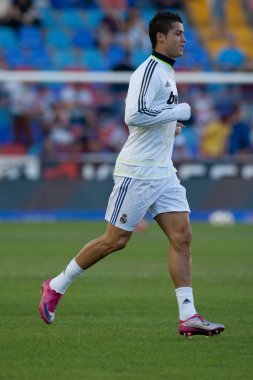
[172, 99]
[123, 218]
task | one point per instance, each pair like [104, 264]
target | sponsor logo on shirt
[172, 99]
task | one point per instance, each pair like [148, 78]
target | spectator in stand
[249, 7]
[76, 93]
[77, 99]
[239, 138]
[121, 41]
[40, 116]
[22, 12]
[112, 37]
[22, 100]
[214, 139]
[187, 142]
[112, 133]
[108, 30]
[136, 30]
[203, 107]
[231, 57]
[59, 140]
[111, 20]
[218, 18]
[4, 9]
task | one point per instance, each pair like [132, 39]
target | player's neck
[163, 58]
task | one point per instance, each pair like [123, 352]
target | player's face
[174, 41]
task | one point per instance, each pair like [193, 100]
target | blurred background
[59, 138]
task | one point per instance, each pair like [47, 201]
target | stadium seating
[8, 38]
[71, 18]
[67, 38]
[237, 24]
[68, 24]
[30, 37]
[82, 38]
[58, 38]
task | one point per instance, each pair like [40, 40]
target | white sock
[61, 283]
[185, 303]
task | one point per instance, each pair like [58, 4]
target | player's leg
[123, 213]
[112, 240]
[177, 228]
[171, 211]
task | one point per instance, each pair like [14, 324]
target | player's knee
[182, 239]
[121, 243]
[116, 244]
[187, 236]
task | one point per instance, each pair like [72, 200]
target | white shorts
[131, 199]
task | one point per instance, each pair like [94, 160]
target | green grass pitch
[119, 320]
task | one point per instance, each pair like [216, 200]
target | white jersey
[151, 97]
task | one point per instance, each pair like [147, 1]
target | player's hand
[179, 128]
[182, 111]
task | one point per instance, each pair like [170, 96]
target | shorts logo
[123, 218]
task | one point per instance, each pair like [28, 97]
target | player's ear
[160, 37]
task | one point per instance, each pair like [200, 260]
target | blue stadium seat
[40, 59]
[37, 58]
[93, 59]
[8, 38]
[69, 4]
[138, 56]
[57, 38]
[82, 38]
[30, 36]
[61, 4]
[191, 35]
[115, 55]
[93, 18]
[15, 58]
[71, 18]
[47, 16]
[64, 58]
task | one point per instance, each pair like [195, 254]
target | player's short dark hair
[162, 22]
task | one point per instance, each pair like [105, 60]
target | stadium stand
[235, 23]
[76, 25]
[88, 35]
[73, 25]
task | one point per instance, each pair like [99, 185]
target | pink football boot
[196, 325]
[49, 300]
